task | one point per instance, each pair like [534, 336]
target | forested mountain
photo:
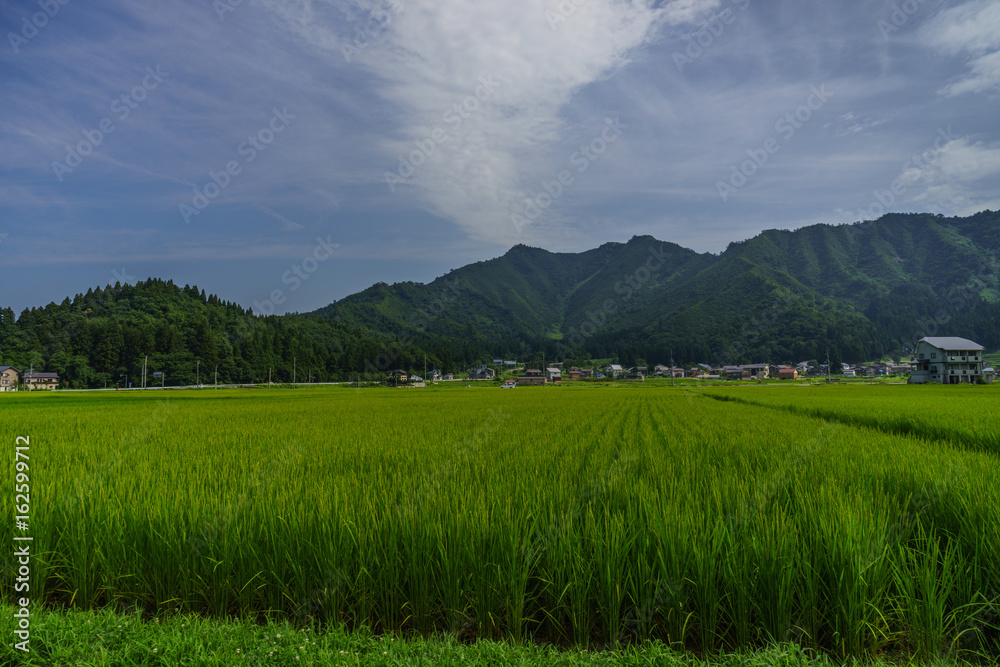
[859, 291]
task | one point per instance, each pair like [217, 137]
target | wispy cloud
[433, 57]
[972, 30]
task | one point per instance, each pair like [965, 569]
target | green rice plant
[924, 576]
[776, 582]
[582, 516]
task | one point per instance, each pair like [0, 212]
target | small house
[8, 378]
[35, 381]
[532, 376]
[482, 373]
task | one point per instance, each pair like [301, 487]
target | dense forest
[853, 292]
[102, 337]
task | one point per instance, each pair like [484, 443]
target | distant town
[943, 360]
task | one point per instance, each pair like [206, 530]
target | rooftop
[951, 343]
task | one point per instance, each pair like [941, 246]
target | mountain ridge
[859, 291]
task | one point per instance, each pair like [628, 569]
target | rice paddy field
[857, 521]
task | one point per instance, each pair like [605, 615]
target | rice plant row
[589, 516]
[966, 415]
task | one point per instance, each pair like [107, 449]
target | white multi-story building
[948, 360]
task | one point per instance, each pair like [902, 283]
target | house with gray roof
[947, 360]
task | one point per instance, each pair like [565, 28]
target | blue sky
[309, 149]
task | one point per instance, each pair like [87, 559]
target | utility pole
[671, 368]
[144, 360]
[268, 378]
[217, 376]
[198, 372]
[293, 372]
[827, 364]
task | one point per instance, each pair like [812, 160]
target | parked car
[508, 385]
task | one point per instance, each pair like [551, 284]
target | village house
[397, 376]
[757, 371]
[532, 376]
[614, 370]
[553, 374]
[736, 373]
[8, 378]
[484, 372]
[788, 374]
[947, 360]
[434, 375]
[35, 381]
[660, 370]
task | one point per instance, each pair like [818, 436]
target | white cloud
[431, 57]
[962, 180]
[971, 29]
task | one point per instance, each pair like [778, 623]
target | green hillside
[858, 291]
